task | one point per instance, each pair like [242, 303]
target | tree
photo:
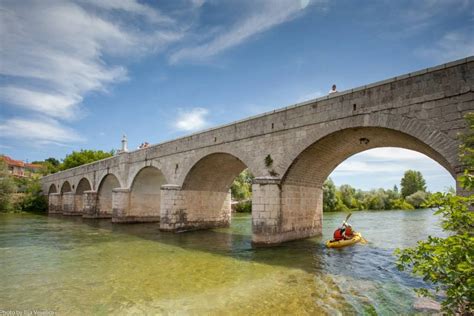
[78, 158]
[448, 263]
[7, 187]
[241, 188]
[412, 181]
[329, 195]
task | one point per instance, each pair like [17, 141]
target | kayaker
[344, 232]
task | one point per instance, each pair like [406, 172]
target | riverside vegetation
[448, 263]
[24, 194]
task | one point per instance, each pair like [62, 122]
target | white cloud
[384, 167]
[191, 120]
[391, 154]
[54, 52]
[38, 131]
[451, 46]
[263, 16]
[60, 106]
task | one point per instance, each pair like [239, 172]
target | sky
[81, 73]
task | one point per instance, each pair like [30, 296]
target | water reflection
[93, 266]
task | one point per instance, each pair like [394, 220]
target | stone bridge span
[184, 184]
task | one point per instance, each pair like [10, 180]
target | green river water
[79, 267]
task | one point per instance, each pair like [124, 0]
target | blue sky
[79, 74]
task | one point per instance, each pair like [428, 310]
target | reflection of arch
[214, 172]
[314, 164]
[145, 192]
[66, 187]
[52, 189]
[108, 183]
[82, 186]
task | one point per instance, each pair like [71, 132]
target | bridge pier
[284, 212]
[54, 203]
[90, 204]
[68, 203]
[183, 210]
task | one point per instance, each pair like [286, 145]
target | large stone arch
[104, 195]
[299, 191]
[437, 145]
[314, 164]
[82, 186]
[145, 195]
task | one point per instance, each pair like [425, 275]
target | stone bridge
[184, 184]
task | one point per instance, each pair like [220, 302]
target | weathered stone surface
[185, 183]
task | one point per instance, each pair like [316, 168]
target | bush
[7, 187]
[401, 204]
[244, 207]
[33, 199]
[417, 199]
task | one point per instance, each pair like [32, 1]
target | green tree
[329, 196]
[78, 158]
[417, 199]
[7, 187]
[241, 188]
[412, 181]
[33, 199]
[347, 196]
[448, 263]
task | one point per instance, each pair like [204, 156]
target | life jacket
[348, 231]
[338, 234]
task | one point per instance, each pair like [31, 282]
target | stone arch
[104, 194]
[65, 187]
[301, 185]
[206, 190]
[214, 172]
[440, 147]
[52, 189]
[145, 194]
[82, 186]
[314, 164]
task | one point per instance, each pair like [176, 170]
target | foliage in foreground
[448, 263]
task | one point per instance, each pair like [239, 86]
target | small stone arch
[214, 172]
[104, 194]
[82, 186]
[52, 189]
[66, 187]
[145, 194]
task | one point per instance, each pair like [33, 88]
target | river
[75, 267]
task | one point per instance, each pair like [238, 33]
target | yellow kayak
[345, 242]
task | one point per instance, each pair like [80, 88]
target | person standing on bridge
[333, 89]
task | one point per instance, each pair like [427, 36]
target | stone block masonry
[184, 183]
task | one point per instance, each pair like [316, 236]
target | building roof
[18, 163]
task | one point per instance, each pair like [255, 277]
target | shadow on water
[358, 262]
